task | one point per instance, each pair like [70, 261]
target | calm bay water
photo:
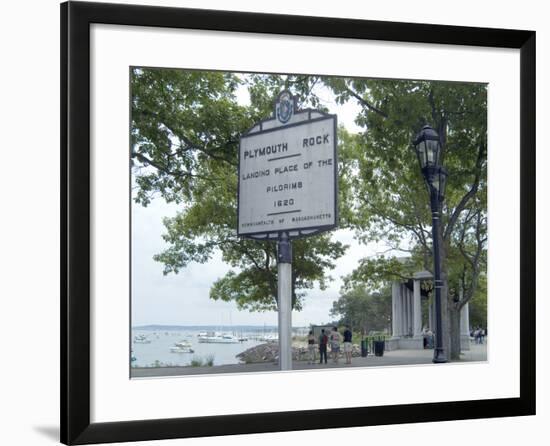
[163, 339]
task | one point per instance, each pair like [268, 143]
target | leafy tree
[364, 310]
[478, 304]
[185, 134]
[390, 197]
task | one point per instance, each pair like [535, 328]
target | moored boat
[217, 338]
[141, 339]
[182, 347]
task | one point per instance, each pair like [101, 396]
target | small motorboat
[141, 339]
[182, 347]
[217, 338]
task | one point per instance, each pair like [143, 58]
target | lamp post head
[428, 147]
[439, 182]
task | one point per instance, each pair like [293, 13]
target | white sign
[287, 176]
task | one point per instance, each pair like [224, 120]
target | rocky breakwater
[269, 352]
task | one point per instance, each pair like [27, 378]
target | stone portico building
[407, 318]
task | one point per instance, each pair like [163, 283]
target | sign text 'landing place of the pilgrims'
[288, 173]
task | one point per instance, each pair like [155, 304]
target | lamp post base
[439, 356]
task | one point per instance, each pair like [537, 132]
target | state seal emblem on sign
[284, 107]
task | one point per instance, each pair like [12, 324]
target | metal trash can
[379, 348]
[364, 348]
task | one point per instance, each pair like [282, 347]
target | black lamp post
[428, 150]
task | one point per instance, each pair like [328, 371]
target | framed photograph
[275, 223]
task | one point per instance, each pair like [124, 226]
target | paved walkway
[394, 358]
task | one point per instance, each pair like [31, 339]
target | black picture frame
[76, 18]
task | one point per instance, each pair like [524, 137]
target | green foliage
[181, 122]
[185, 134]
[478, 305]
[199, 361]
[375, 272]
[362, 310]
[389, 198]
[196, 362]
[254, 286]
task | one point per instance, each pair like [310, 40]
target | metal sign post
[284, 300]
[287, 189]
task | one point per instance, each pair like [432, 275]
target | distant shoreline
[207, 327]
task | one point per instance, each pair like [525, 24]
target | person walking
[425, 337]
[348, 346]
[311, 347]
[323, 341]
[430, 339]
[335, 340]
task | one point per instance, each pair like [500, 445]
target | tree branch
[364, 102]
[161, 167]
[466, 198]
[418, 231]
[182, 137]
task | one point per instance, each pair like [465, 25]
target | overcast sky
[183, 299]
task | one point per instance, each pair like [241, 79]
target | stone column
[410, 330]
[417, 312]
[411, 304]
[465, 320]
[431, 316]
[395, 309]
[404, 311]
[464, 324]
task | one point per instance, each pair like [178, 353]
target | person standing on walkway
[348, 346]
[323, 341]
[335, 340]
[311, 347]
[430, 339]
